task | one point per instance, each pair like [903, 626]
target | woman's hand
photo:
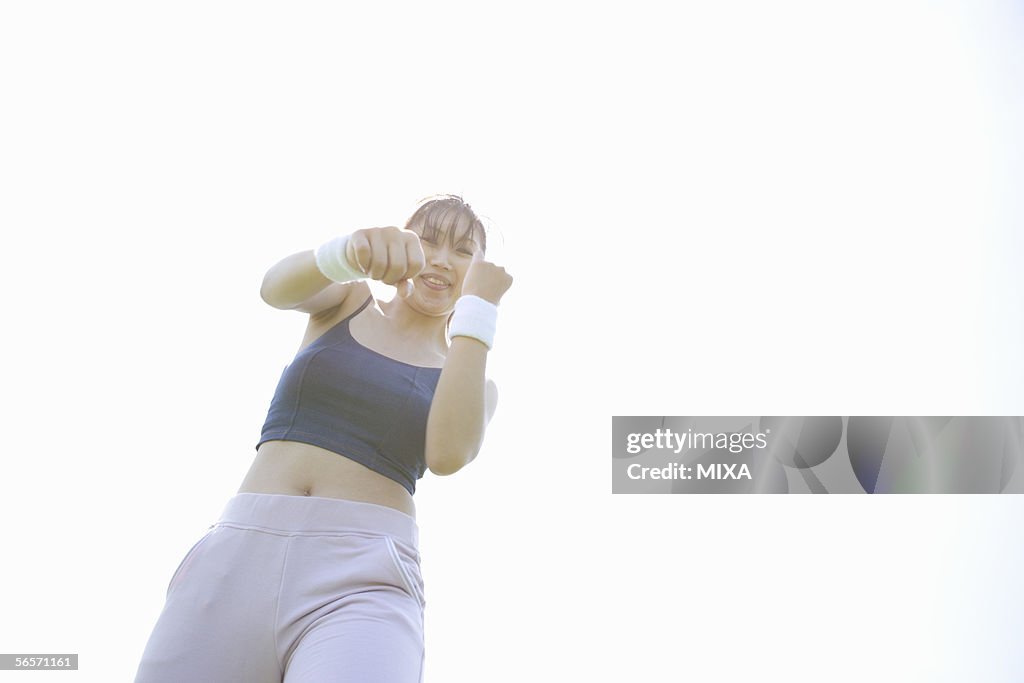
[486, 280]
[388, 254]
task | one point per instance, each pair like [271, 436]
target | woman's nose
[439, 256]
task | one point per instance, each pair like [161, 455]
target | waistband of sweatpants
[311, 514]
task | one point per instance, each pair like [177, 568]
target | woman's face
[436, 289]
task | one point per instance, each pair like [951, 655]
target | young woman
[312, 572]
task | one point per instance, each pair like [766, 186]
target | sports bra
[347, 398]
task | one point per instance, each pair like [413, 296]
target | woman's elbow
[448, 463]
[269, 294]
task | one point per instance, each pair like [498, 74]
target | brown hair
[450, 215]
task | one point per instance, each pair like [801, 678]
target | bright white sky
[741, 208]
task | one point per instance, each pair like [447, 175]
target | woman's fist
[485, 279]
[387, 254]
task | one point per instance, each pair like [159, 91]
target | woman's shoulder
[355, 300]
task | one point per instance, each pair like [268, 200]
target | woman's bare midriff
[302, 469]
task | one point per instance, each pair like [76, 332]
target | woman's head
[451, 235]
[448, 218]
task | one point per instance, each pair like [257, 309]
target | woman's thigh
[302, 589]
[352, 610]
[217, 623]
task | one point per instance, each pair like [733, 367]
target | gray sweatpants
[295, 589]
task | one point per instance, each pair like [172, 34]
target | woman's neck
[419, 329]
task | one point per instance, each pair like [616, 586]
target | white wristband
[332, 262]
[474, 317]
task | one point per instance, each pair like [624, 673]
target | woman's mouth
[435, 282]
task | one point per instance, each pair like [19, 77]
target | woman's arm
[463, 400]
[462, 406]
[295, 283]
